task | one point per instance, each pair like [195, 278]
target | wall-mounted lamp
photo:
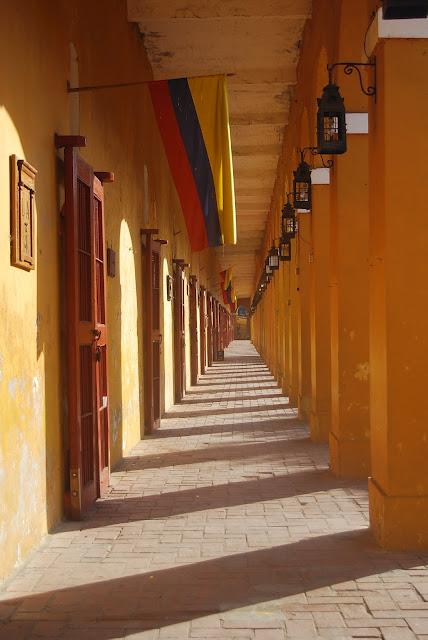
[273, 258]
[285, 249]
[331, 120]
[268, 270]
[288, 220]
[302, 186]
[404, 9]
[331, 116]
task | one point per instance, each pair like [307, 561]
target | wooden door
[210, 329]
[193, 326]
[87, 456]
[215, 344]
[202, 327]
[100, 341]
[152, 329]
[179, 333]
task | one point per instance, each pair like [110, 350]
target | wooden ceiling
[257, 42]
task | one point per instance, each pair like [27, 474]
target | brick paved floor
[224, 524]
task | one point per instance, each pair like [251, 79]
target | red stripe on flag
[179, 164]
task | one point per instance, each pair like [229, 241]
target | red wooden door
[87, 436]
[179, 332]
[100, 341]
[193, 325]
[210, 328]
[215, 329]
[202, 327]
[153, 336]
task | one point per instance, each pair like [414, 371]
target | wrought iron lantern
[273, 258]
[302, 186]
[288, 220]
[331, 120]
[404, 9]
[285, 249]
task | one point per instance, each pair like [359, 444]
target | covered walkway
[226, 523]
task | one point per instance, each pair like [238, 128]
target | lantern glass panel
[330, 127]
[302, 192]
[289, 226]
[273, 258]
[285, 250]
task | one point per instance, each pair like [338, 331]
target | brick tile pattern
[225, 524]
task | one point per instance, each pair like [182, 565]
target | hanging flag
[226, 284]
[193, 120]
[227, 289]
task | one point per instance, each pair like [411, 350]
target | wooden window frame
[22, 181]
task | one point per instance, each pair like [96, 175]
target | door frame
[193, 326]
[203, 327]
[210, 328]
[78, 498]
[179, 331]
[151, 245]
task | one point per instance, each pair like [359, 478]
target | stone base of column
[349, 458]
[398, 522]
[319, 423]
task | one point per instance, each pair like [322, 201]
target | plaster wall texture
[122, 137]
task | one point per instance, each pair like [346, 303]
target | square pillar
[349, 312]
[304, 253]
[398, 485]
[320, 415]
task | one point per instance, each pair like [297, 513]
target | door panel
[193, 326]
[210, 329]
[152, 330]
[87, 437]
[156, 334]
[179, 334]
[202, 327]
[100, 342]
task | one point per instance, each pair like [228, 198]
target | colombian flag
[227, 290]
[226, 285]
[193, 120]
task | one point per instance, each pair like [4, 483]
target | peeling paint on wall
[362, 371]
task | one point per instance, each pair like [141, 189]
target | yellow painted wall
[293, 289]
[122, 136]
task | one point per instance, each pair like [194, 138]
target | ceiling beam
[183, 9]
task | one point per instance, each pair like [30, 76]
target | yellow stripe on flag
[211, 104]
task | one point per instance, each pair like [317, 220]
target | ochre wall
[291, 292]
[122, 137]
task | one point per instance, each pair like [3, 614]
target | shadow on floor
[197, 390]
[258, 428]
[183, 593]
[240, 359]
[235, 398]
[256, 409]
[115, 510]
[230, 451]
[239, 377]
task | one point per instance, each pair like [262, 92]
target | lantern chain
[327, 164]
[349, 68]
